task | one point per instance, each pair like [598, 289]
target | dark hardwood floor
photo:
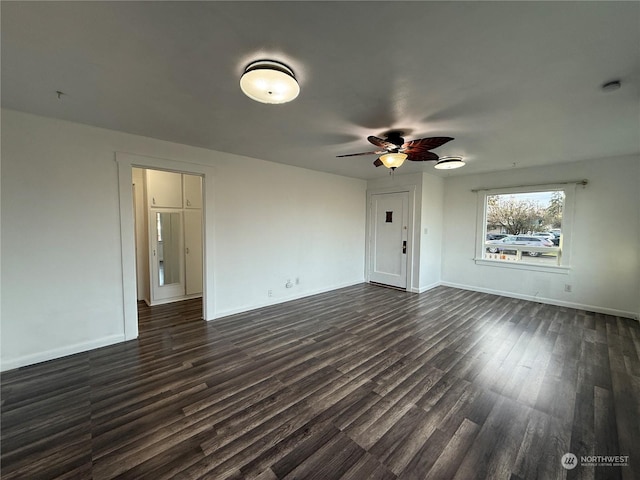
[360, 383]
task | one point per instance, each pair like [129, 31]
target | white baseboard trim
[424, 289]
[60, 352]
[549, 301]
[275, 301]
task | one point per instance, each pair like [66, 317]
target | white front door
[388, 239]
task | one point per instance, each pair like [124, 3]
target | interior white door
[193, 251]
[388, 238]
[166, 256]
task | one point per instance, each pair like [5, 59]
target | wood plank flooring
[360, 383]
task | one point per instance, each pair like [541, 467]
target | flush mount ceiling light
[448, 163]
[268, 81]
[393, 160]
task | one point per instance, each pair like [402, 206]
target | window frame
[567, 227]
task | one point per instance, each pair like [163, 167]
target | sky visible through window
[544, 198]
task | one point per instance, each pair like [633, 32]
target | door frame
[125, 163]
[411, 190]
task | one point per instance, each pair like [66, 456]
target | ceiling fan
[394, 151]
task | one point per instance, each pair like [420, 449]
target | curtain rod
[576, 182]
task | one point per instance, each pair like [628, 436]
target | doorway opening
[126, 164]
[168, 235]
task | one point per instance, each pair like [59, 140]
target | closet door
[164, 189]
[193, 250]
[192, 185]
[166, 255]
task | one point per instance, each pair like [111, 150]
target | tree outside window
[524, 227]
[522, 213]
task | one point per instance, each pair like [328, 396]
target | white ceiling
[513, 82]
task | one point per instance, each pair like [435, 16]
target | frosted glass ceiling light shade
[448, 163]
[393, 160]
[267, 81]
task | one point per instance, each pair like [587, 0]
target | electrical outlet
[567, 288]
[270, 293]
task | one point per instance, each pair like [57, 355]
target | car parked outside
[548, 235]
[555, 239]
[556, 236]
[520, 240]
[495, 236]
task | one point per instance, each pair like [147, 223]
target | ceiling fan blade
[418, 150]
[422, 157]
[379, 142]
[425, 144]
[363, 153]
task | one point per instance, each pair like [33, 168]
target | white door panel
[166, 255]
[193, 251]
[388, 239]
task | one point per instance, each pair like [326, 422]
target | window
[526, 227]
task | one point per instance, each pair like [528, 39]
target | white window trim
[569, 190]
[562, 269]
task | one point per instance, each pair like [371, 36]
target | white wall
[433, 221]
[276, 223]
[605, 265]
[61, 252]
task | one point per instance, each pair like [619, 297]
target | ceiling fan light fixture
[268, 81]
[449, 163]
[393, 160]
